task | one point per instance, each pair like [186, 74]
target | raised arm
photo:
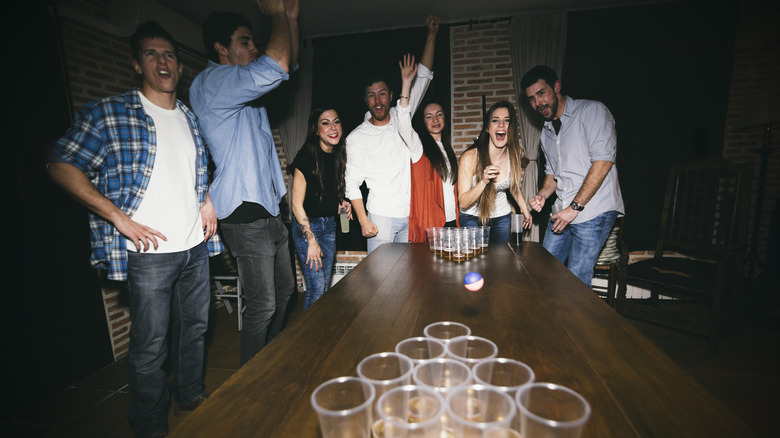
[279, 43]
[76, 183]
[292, 8]
[432, 22]
[424, 75]
[412, 140]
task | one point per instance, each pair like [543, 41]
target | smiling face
[433, 116]
[544, 99]
[160, 70]
[378, 98]
[242, 48]
[329, 130]
[498, 127]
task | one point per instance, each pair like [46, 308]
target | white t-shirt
[170, 203]
[449, 190]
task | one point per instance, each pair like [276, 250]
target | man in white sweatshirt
[378, 156]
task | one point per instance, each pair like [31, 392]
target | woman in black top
[317, 197]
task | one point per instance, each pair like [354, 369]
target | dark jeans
[267, 282]
[499, 226]
[579, 245]
[162, 289]
[317, 281]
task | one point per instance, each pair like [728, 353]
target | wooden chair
[608, 262]
[704, 219]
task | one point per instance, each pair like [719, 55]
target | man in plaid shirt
[138, 162]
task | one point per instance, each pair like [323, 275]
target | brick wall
[480, 66]
[756, 70]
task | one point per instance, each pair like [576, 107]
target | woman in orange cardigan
[434, 197]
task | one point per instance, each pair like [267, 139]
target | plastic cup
[343, 407]
[516, 229]
[557, 207]
[442, 375]
[485, 238]
[480, 411]
[420, 348]
[429, 237]
[410, 411]
[446, 330]
[386, 371]
[506, 375]
[471, 349]
[436, 234]
[551, 410]
[448, 236]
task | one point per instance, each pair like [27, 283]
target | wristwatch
[576, 207]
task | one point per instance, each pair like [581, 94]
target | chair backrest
[610, 252]
[706, 206]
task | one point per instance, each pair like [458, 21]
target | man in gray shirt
[580, 144]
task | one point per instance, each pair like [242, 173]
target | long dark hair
[482, 145]
[312, 145]
[431, 149]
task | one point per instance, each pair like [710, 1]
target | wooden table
[531, 306]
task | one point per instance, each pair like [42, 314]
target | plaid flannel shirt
[114, 142]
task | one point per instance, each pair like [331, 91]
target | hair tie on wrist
[404, 97]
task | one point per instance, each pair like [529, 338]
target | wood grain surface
[531, 306]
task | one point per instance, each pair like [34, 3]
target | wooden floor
[744, 375]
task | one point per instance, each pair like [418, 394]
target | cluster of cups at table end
[420, 390]
[458, 244]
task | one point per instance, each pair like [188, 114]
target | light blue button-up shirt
[587, 135]
[238, 133]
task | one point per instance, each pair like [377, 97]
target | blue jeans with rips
[317, 281]
[579, 245]
[499, 226]
[166, 288]
[267, 281]
[390, 230]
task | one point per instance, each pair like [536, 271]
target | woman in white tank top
[488, 170]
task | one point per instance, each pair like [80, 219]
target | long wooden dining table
[531, 306]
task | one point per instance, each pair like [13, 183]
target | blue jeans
[267, 281]
[499, 226]
[579, 245]
[390, 230]
[166, 288]
[317, 281]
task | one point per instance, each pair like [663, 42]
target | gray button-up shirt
[587, 135]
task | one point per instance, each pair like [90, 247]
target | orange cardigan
[427, 201]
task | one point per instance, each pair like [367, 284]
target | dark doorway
[53, 323]
[664, 70]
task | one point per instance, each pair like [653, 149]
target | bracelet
[404, 97]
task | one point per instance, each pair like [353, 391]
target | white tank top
[501, 206]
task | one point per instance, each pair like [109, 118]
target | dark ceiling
[331, 17]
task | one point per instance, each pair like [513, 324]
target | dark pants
[162, 289]
[263, 260]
